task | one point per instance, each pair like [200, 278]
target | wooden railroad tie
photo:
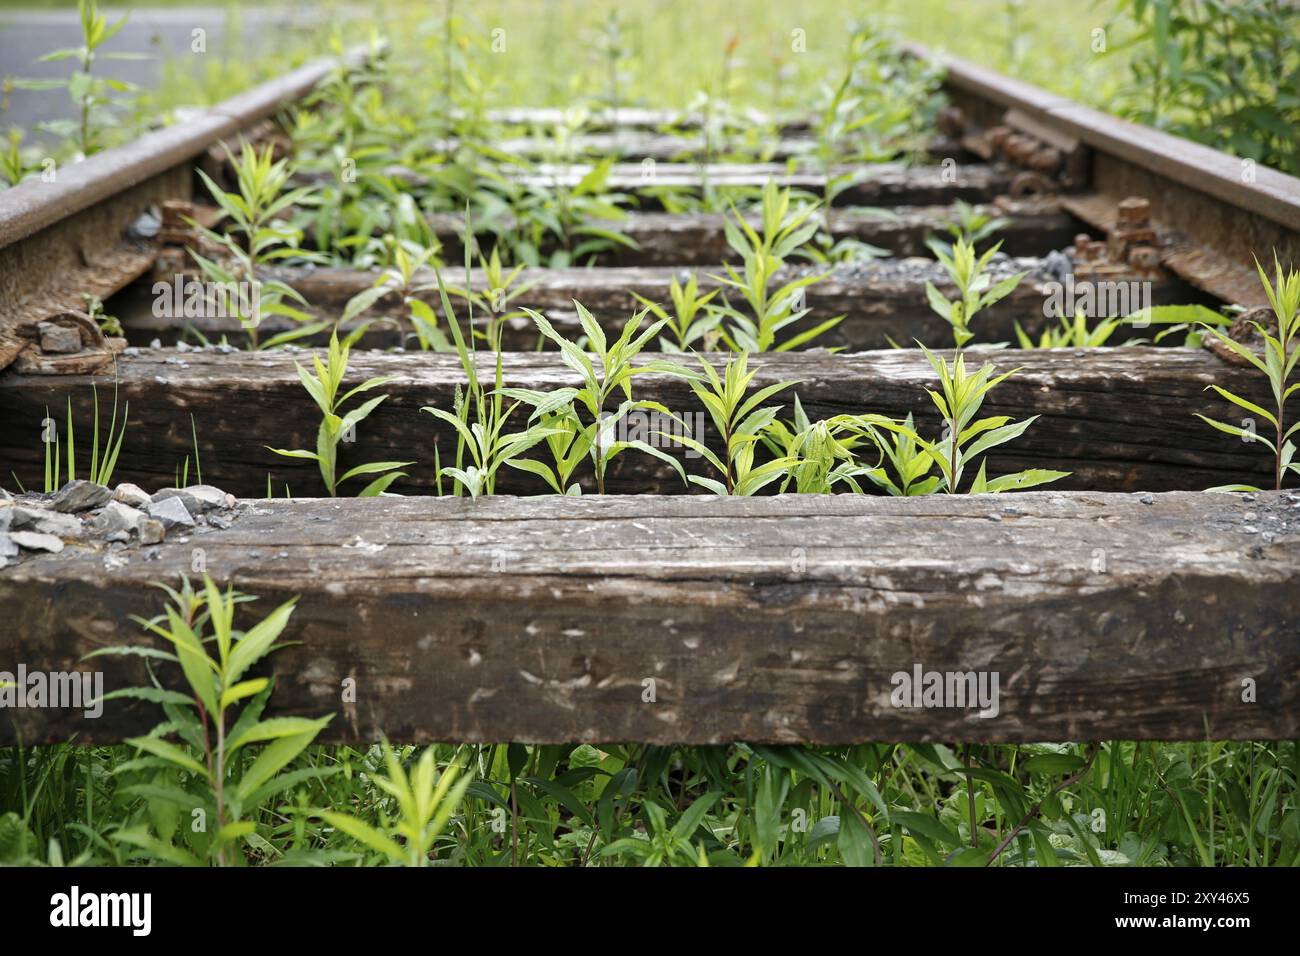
[705, 620]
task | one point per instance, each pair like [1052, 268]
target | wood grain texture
[1120, 419]
[777, 619]
[636, 118]
[1036, 227]
[876, 184]
[882, 302]
[632, 145]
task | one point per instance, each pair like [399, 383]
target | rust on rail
[81, 230]
[1211, 211]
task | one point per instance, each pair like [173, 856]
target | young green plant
[218, 716]
[958, 399]
[258, 237]
[685, 324]
[499, 291]
[399, 278]
[741, 422]
[971, 225]
[255, 210]
[763, 254]
[90, 94]
[479, 416]
[336, 428]
[101, 467]
[425, 802]
[975, 287]
[613, 378]
[909, 464]
[1277, 363]
[825, 453]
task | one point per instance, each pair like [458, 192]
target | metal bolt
[951, 121]
[1046, 160]
[1134, 211]
[1144, 257]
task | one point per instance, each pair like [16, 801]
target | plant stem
[85, 104]
[1038, 807]
[952, 453]
[221, 785]
[1284, 337]
[871, 831]
[731, 481]
[514, 823]
[446, 45]
[970, 799]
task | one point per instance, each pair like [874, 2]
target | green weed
[1277, 364]
[336, 426]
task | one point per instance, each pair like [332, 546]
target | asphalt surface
[163, 35]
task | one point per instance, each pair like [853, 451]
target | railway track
[1120, 603]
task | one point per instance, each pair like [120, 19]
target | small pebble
[79, 495]
[152, 531]
[130, 494]
[116, 517]
[36, 541]
[171, 512]
[197, 499]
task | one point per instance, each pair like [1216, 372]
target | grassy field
[667, 50]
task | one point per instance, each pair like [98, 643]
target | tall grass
[1139, 804]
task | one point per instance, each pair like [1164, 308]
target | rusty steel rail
[73, 232]
[1201, 214]
[1211, 213]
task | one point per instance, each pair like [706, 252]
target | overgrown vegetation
[336, 428]
[370, 161]
[58, 448]
[91, 94]
[976, 290]
[1222, 72]
[1277, 363]
[1102, 804]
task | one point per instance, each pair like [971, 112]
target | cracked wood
[775, 619]
[1120, 419]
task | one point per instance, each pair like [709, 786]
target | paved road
[165, 35]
